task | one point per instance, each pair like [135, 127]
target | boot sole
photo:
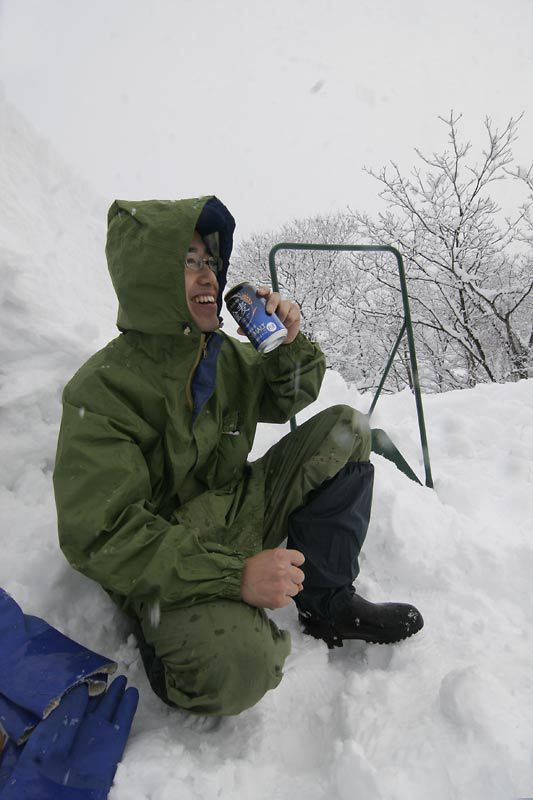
[330, 635]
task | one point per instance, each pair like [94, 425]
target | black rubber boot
[357, 618]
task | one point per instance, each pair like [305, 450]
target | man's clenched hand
[271, 578]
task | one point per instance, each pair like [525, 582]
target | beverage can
[265, 331]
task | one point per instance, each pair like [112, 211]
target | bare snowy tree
[525, 176]
[471, 282]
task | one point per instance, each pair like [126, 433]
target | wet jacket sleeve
[109, 528]
[293, 375]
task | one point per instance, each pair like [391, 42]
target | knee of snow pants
[304, 460]
[351, 431]
[217, 658]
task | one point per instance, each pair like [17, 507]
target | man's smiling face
[201, 286]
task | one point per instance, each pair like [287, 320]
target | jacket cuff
[232, 582]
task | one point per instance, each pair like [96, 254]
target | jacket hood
[147, 242]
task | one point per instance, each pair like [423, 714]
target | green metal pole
[386, 371]
[414, 366]
[407, 326]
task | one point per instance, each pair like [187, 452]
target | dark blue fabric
[203, 382]
[215, 218]
[38, 663]
[330, 530]
[16, 721]
[8, 761]
[73, 754]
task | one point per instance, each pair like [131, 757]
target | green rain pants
[219, 658]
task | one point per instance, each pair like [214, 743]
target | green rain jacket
[153, 502]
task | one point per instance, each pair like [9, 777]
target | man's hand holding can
[263, 316]
[288, 311]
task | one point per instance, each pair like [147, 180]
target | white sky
[274, 106]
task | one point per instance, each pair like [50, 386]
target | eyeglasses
[196, 264]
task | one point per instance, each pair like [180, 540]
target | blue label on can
[265, 331]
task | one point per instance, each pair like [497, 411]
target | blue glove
[38, 663]
[73, 754]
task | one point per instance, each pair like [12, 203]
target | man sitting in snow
[156, 499]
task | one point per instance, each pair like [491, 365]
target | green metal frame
[407, 327]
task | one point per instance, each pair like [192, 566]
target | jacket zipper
[202, 353]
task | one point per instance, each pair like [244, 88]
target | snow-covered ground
[447, 714]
